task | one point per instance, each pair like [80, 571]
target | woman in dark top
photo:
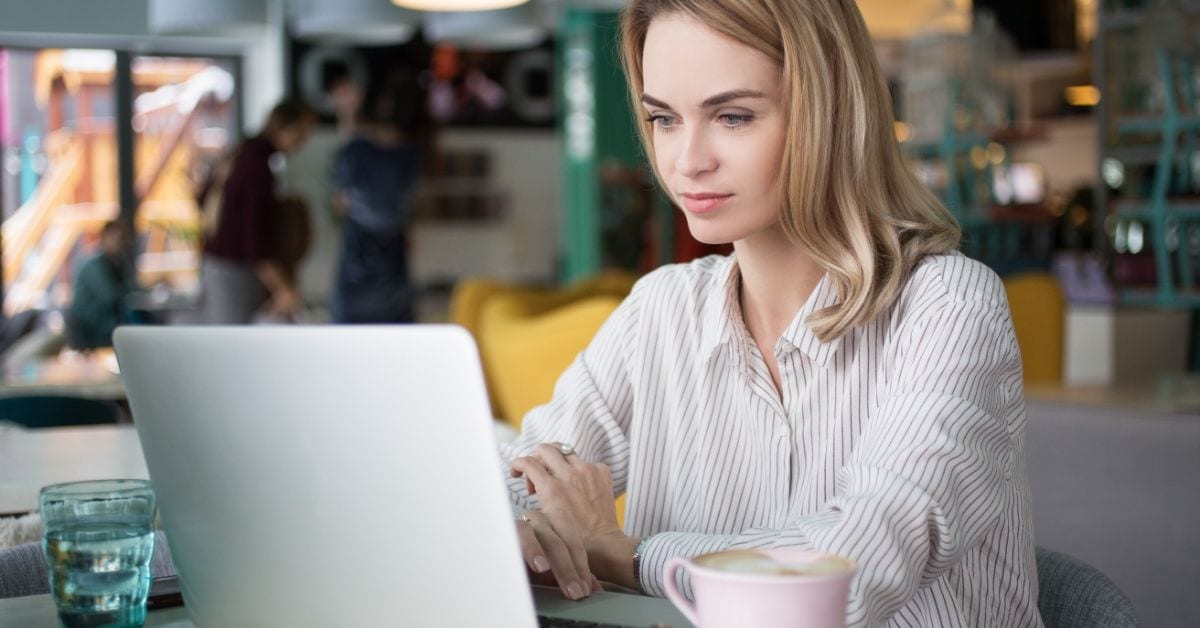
[243, 269]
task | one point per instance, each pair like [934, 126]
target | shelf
[1136, 125]
[1122, 19]
[1136, 155]
[1186, 207]
[1034, 132]
[1149, 297]
[1020, 213]
[927, 149]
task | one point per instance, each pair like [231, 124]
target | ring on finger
[566, 449]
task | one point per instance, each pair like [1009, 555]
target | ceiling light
[457, 5]
[504, 29]
[211, 17]
[371, 22]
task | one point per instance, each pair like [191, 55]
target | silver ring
[566, 449]
[526, 519]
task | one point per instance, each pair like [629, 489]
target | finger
[561, 561]
[535, 472]
[555, 462]
[534, 555]
[514, 472]
[580, 557]
[596, 586]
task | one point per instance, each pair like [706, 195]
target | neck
[777, 279]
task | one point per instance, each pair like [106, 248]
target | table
[37, 611]
[93, 375]
[1171, 393]
[31, 459]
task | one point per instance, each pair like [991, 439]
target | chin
[714, 232]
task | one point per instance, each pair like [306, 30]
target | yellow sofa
[1038, 310]
[528, 336]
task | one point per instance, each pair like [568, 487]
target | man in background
[101, 285]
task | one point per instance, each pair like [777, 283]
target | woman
[844, 381]
[245, 266]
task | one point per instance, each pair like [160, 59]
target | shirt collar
[798, 336]
[721, 314]
[722, 317]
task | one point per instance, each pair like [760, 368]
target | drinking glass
[99, 536]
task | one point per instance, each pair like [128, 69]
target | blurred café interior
[1064, 135]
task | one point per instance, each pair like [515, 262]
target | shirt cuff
[662, 547]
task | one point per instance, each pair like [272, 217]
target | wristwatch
[637, 565]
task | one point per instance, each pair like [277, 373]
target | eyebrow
[711, 101]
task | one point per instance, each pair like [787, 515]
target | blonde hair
[849, 198]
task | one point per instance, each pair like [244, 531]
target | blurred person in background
[373, 175]
[345, 97]
[248, 269]
[100, 290]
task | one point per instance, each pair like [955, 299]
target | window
[60, 170]
[184, 120]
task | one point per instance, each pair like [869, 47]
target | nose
[696, 155]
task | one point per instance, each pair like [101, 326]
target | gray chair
[23, 568]
[1073, 594]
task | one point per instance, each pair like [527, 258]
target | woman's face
[718, 127]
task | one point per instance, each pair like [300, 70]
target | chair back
[507, 320]
[35, 411]
[1073, 594]
[1038, 311]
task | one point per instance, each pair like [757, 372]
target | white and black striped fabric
[899, 445]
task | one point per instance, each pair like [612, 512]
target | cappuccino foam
[751, 562]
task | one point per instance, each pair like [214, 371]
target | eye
[734, 120]
[661, 121]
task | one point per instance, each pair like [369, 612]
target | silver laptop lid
[326, 476]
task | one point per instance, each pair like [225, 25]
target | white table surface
[31, 459]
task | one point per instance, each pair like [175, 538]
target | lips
[703, 203]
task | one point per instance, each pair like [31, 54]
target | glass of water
[98, 543]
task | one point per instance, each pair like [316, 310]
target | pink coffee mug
[729, 599]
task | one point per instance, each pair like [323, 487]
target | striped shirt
[899, 445]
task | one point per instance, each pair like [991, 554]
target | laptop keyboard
[557, 622]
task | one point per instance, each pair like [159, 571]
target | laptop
[337, 476]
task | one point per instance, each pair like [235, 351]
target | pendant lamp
[501, 29]
[209, 17]
[457, 5]
[370, 22]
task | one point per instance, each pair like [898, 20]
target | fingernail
[540, 565]
[574, 592]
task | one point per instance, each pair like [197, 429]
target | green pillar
[596, 126]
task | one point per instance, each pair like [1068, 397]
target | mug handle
[674, 594]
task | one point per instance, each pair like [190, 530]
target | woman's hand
[577, 522]
[285, 301]
[554, 557]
